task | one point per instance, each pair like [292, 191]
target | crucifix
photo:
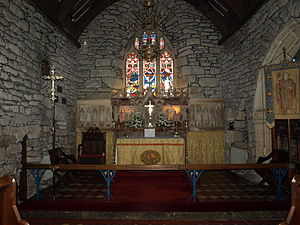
[150, 110]
[53, 78]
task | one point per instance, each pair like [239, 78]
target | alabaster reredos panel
[94, 113]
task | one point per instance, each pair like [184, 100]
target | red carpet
[151, 187]
[160, 191]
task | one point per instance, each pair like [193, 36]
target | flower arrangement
[136, 121]
[162, 121]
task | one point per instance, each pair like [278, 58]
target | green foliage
[162, 121]
[136, 121]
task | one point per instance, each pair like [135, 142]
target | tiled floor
[212, 186]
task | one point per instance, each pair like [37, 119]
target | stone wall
[27, 38]
[108, 39]
[242, 56]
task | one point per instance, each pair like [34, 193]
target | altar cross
[150, 110]
[53, 78]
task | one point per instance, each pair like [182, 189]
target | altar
[150, 151]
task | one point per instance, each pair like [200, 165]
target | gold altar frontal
[150, 151]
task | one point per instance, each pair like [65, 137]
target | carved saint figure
[286, 91]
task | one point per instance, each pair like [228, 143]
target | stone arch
[289, 37]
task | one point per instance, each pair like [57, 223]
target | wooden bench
[294, 214]
[8, 208]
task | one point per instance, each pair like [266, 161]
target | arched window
[160, 82]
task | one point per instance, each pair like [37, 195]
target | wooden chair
[276, 156]
[60, 157]
[9, 214]
[293, 217]
[92, 148]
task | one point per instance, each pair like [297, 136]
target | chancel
[187, 111]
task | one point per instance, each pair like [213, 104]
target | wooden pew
[8, 208]
[294, 214]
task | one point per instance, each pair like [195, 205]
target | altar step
[154, 218]
[156, 197]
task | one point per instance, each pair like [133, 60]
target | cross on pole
[53, 78]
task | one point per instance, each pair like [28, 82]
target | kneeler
[92, 148]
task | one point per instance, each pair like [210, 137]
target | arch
[289, 37]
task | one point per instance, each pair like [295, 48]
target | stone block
[181, 61]
[3, 155]
[9, 16]
[193, 41]
[208, 82]
[7, 140]
[16, 10]
[14, 48]
[93, 83]
[239, 124]
[10, 70]
[4, 120]
[186, 52]
[14, 148]
[33, 131]
[7, 170]
[3, 59]
[214, 71]
[192, 70]
[241, 115]
[103, 62]
[238, 136]
[23, 25]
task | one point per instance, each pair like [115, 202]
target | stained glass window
[166, 73]
[132, 74]
[160, 78]
[149, 73]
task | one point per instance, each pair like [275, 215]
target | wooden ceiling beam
[83, 22]
[65, 7]
[41, 6]
[223, 23]
[237, 7]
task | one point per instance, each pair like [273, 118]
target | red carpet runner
[151, 187]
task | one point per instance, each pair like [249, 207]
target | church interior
[149, 112]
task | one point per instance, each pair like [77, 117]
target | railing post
[23, 174]
[194, 176]
[108, 176]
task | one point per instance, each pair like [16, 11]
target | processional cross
[53, 78]
[150, 110]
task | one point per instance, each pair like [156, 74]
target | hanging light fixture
[150, 45]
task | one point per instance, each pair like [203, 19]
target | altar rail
[194, 172]
[156, 167]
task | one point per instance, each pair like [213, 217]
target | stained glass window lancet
[166, 73]
[149, 75]
[132, 74]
